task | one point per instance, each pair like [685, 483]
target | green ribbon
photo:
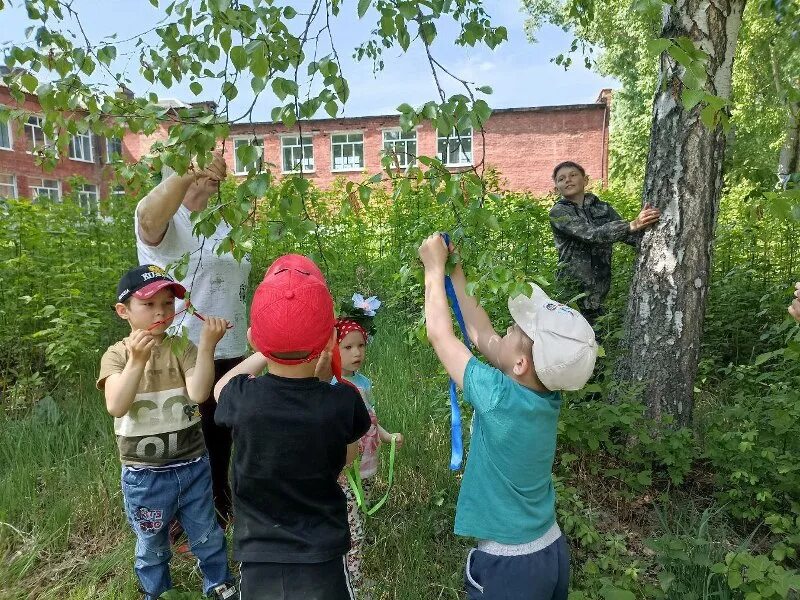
[354, 479]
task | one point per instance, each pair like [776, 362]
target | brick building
[523, 144]
[87, 156]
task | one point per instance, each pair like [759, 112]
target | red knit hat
[292, 310]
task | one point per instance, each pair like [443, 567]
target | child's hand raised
[433, 252]
[213, 330]
[140, 344]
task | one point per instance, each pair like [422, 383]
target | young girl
[352, 333]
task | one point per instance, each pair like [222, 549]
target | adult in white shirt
[217, 287]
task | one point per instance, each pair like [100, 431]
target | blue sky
[519, 72]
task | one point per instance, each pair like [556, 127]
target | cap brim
[151, 289]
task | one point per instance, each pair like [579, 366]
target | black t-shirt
[290, 438]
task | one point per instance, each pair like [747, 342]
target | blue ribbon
[456, 442]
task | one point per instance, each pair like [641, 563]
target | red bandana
[345, 326]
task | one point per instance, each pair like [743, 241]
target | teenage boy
[153, 395]
[585, 229]
[507, 500]
[293, 434]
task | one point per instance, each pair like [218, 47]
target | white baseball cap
[564, 347]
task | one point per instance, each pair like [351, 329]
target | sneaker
[226, 591]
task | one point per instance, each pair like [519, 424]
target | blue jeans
[152, 498]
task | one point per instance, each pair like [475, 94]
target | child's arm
[200, 379]
[120, 388]
[252, 365]
[386, 437]
[479, 327]
[452, 353]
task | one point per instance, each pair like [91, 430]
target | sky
[520, 73]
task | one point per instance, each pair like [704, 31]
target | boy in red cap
[154, 393]
[293, 434]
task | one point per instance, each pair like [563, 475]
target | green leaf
[258, 84]
[692, 98]
[363, 5]
[657, 46]
[225, 40]
[709, 117]
[196, 88]
[482, 111]
[29, 82]
[612, 593]
[238, 57]
[289, 13]
[484, 89]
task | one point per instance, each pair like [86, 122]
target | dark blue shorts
[542, 575]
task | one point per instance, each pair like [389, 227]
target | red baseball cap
[292, 310]
[145, 281]
[297, 262]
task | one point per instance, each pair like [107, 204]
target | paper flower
[367, 305]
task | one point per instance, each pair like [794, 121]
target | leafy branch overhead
[222, 47]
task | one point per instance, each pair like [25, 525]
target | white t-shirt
[217, 289]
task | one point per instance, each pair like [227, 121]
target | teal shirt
[507, 493]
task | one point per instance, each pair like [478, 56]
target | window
[402, 147]
[8, 186]
[117, 192]
[241, 167]
[348, 151]
[456, 149]
[80, 147]
[87, 196]
[113, 149]
[35, 133]
[5, 137]
[294, 154]
[46, 188]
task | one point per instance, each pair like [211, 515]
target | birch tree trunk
[683, 178]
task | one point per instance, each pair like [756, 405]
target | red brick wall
[23, 165]
[523, 145]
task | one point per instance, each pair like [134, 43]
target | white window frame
[117, 191]
[410, 160]
[10, 147]
[81, 141]
[298, 145]
[109, 156]
[88, 198]
[13, 184]
[464, 159]
[39, 126]
[349, 168]
[248, 139]
[35, 188]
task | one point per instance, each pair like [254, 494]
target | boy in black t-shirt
[293, 434]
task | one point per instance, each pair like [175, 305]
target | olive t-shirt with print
[162, 425]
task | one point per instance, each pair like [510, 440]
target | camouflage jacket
[584, 236]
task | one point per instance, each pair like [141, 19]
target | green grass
[63, 533]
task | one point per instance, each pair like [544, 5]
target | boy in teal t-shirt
[507, 501]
